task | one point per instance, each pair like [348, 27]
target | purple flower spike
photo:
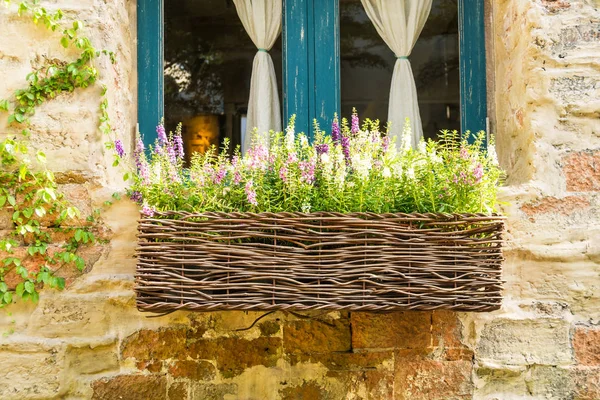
[178, 141]
[355, 123]
[119, 148]
[336, 136]
[136, 196]
[162, 135]
[250, 193]
[322, 148]
[346, 148]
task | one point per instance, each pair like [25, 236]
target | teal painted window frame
[311, 50]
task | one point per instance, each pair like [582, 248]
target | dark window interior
[367, 64]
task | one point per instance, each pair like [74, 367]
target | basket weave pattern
[326, 261]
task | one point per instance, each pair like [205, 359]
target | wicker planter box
[326, 261]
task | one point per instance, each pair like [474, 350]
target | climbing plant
[45, 230]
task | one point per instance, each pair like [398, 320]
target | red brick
[409, 330]
[313, 336]
[426, 379]
[586, 343]
[195, 370]
[551, 205]
[130, 387]
[582, 171]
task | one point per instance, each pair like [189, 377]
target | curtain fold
[262, 22]
[399, 23]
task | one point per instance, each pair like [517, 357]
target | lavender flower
[385, 143]
[346, 147]
[464, 153]
[119, 148]
[355, 123]
[171, 153]
[162, 135]
[178, 142]
[250, 193]
[336, 135]
[322, 148]
[140, 162]
[136, 196]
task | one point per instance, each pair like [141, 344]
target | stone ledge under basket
[319, 261]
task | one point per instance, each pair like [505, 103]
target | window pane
[208, 65]
[367, 65]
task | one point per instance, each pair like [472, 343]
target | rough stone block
[433, 380]
[586, 382]
[88, 360]
[130, 387]
[213, 391]
[525, 342]
[391, 330]
[586, 342]
[30, 375]
[194, 370]
[312, 336]
[69, 316]
[179, 391]
[307, 390]
[234, 355]
[582, 170]
[149, 345]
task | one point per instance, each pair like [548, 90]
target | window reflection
[367, 65]
[208, 65]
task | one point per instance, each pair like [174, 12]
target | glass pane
[208, 65]
[367, 65]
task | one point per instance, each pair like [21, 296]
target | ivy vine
[45, 230]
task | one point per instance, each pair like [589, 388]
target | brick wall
[89, 341]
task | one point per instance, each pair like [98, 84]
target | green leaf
[7, 298]
[64, 41]
[3, 105]
[20, 289]
[40, 211]
[29, 287]
[11, 200]
[28, 212]
[3, 287]
[80, 263]
[2, 201]
[78, 235]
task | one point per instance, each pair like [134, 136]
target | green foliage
[55, 76]
[46, 231]
[357, 170]
[29, 195]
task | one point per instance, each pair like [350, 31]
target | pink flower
[478, 173]
[307, 170]
[283, 173]
[464, 153]
[355, 123]
[219, 176]
[250, 193]
[148, 211]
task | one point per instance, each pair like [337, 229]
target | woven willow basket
[324, 261]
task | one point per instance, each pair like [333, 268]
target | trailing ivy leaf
[7, 298]
[64, 41]
[29, 287]
[20, 289]
[11, 200]
[3, 105]
[80, 263]
[2, 201]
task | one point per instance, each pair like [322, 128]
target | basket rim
[292, 214]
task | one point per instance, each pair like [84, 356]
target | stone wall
[90, 342]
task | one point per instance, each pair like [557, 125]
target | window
[195, 62]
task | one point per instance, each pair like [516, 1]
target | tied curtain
[262, 22]
[399, 23]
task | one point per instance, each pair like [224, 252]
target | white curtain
[399, 23]
[262, 21]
